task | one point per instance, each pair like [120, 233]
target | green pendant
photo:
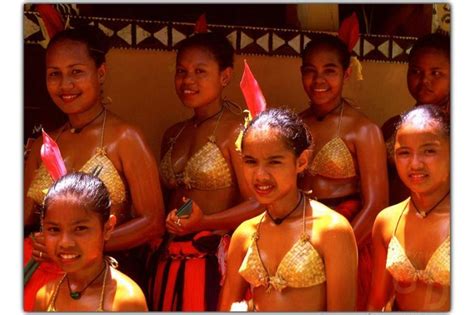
[75, 295]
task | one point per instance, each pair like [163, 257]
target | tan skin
[417, 151]
[71, 229]
[199, 84]
[323, 78]
[71, 71]
[271, 163]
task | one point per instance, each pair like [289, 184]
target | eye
[430, 151]
[329, 71]
[52, 230]
[249, 161]
[402, 153]
[53, 74]
[307, 71]
[200, 71]
[81, 228]
[275, 162]
[414, 71]
[437, 73]
[76, 71]
[180, 71]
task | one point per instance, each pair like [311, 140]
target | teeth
[264, 187]
[68, 256]
[189, 92]
[68, 97]
[320, 90]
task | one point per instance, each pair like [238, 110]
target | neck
[81, 119]
[78, 279]
[282, 207]
[203, 112]
[429, 202]
[322, 110]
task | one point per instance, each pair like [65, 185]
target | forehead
[67, 208]
[430, 131]
[430, 55]
[67, 48]
[196, 52]
[322, 51]
[264, 139]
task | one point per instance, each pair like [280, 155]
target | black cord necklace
[76, 295]
[279, 221]
[424, 214]
[199, 123]
[79, 129]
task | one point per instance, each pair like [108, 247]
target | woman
[412, 239]
[314, 265]
[429, 82]
[77, 222]
[199, 162]
[94, 137]
[348, 170]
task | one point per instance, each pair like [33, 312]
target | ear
[226, 75]
[109, 226]
[347, 73]
[303, 160]
[101, 72]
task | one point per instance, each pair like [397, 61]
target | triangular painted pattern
[396, 50]
[384, 48]
[368, 47]
[264, 42]
[295, 43]
[245, 40]
[177, 36]
[126, 34]
[357, 47]
[141, 34]
[277, 41]
[162, 35]
[306, 40]
[106, 30]
[29, 27]
[232, 37]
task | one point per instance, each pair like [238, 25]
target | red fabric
[364, 276]
[45, 273]
[194, 291]
[349, 31]
[169, 291]
[51, 17]
[201, 24]
[349, 208]
[252, 93]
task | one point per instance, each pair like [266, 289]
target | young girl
[347, 171]
[77, 223]
[412, 239]
[298, 255]
[199, 162]
[428, 80]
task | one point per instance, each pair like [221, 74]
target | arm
[340, 260]
[141, 173]
[372, 161]
[382, 286]
[234, 285]
[32, 164]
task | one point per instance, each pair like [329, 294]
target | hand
[185, 225]
[39, 249]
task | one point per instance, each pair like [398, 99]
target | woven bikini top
[109, 175]
[206, 169]
[334, 160]
[437, 269]
[301, 266]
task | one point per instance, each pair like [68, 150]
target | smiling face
[198, 79]
[422, 157]
[323, 76]
[270, 167]
[74, 236]
[428, 77]
[72, 78]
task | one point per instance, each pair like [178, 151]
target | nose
[261, 173]
[66, 240]
[66, 82]
[416, 162]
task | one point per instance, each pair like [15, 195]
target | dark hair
[92, 37]
[331, 41]
[218, 45]
[436, 41]
[89, 189]
[291, 128]
[425, 115]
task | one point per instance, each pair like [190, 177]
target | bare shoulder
[247, 228]
[232, 119]
[358, 118]
[173, 130]
[306, 114]
[388, 217]
[123, 129]
[44, 294]
[328, 220]
[128, 295]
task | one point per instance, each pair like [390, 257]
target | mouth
[263, 190]
[189, 92]
[320, 90]
[417, 177]
[66, 258]
[67, 98]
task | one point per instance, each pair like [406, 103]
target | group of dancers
[296, 216]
